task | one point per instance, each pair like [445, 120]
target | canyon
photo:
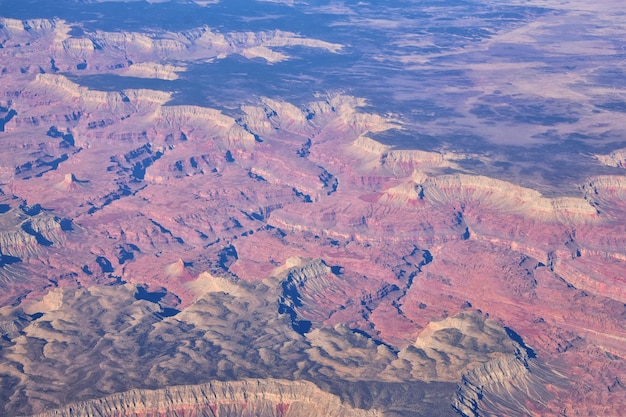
[274, 258]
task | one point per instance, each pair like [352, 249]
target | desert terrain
[281, 257]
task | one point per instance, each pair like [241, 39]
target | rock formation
[267, 397]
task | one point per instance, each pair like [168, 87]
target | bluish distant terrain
[425, 61]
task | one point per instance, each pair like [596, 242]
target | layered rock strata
[267, 397]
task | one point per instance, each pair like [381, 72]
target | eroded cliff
[266, 397]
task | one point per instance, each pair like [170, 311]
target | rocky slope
[272, 398]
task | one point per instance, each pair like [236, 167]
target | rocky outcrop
[616, 158]
[153, 70]
[507, 385]
[206, 122]
[92, 100]
[272, 115]
[607, 193]
[86, 101]
[490, 375]
[39, 27]
[199, 43]
[306, 281]
[70, 183]
[247, 398]
[454, 343]
[503, 196]
[29, 231]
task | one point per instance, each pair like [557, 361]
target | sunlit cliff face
[308, 209]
